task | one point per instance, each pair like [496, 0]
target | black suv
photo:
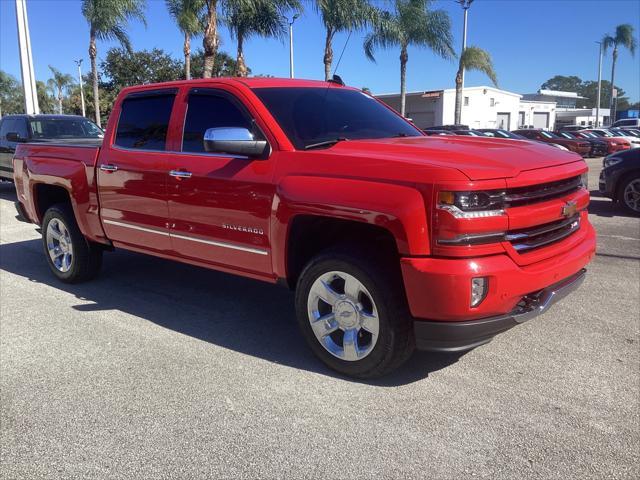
[620, 179]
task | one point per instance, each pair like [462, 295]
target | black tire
[87, 257]
[623, 184]
[395, 341]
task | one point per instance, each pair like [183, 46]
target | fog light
[479, 287]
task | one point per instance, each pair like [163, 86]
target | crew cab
[581, 147]
[390, 238]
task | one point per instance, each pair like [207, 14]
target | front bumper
[460, 336]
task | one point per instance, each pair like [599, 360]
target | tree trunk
[187, 56]
[458, 110]
[404, 58]
[242, 67]
[328, 55]
[210, 39]
[612, 101]
[59, 101]
[93, 53]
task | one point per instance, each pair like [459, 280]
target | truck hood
[477, 158]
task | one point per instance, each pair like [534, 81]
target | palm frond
[624, 37]
[474, 58]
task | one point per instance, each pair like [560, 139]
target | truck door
[132, 172]
[219, 204]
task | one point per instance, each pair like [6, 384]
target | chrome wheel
[631, 195]
[343, 316]
[59, 245]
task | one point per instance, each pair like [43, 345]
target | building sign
[431, 94]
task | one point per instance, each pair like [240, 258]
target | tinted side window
[144, 122]
[209, 111]
[6, 127]
[20, 126]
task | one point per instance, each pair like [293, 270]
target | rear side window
[144, 122]
[20, 127]
[6, 127]
[210, 110]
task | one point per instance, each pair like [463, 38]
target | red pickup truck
[391, 239]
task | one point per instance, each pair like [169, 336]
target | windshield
[602, 133]
[549, 135]
[72, 127]
[310, 116]
[567, 135]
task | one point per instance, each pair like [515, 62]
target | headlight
[472, 204]
[610, 161]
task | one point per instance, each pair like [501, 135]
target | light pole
[599, 85]
[79, 62]
[26, 60]
[291, 22]
[465, 6]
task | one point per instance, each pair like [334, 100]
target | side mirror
[15, 137]
[235, 141]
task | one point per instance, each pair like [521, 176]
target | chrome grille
[528, 239]
[545, 191]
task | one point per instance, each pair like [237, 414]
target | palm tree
[472, 58]
[187, 14]
[410, 23]
[210, 38]
[59, 83]
[256, 17]
[622, 38]
[340, 16]
[107, 20]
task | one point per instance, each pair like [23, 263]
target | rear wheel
[71, 257]
[353, 314]
[629, 194]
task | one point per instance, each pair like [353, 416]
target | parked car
[611, 133]
[581, 147]
[614, 144]
[389, 238]
[448, 127]
[501, 133]
[620, 179]
[571, 128]
[469, 133]
[627, 122]
[436, 132]
[632, 132]
[16, 129]
[599, 147]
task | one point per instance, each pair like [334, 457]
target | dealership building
[482, 107]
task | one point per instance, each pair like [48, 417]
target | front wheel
[71, 257]
[629, 194]
[353, 314]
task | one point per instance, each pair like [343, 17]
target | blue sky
[530, 41]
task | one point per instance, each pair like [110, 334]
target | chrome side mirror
[235, 141]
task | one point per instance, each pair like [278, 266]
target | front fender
[400, 209]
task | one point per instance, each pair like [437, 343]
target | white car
[610, 133]
[627, 123]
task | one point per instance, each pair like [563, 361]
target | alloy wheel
[59, 245]
[343, 316]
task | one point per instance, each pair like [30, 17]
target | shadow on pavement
[244, 315]
[604, 207]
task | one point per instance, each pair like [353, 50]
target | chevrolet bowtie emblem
[570, 209]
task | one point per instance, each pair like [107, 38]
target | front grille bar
[541, 192]
[537, 237]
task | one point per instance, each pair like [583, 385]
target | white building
[567, 111]
[482, 107]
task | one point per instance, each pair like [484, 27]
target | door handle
[107, 167]
[180, 174]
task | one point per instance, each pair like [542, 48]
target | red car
[614, 144]
[391, 239]
[577, 146]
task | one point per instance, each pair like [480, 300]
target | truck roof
[253, 82]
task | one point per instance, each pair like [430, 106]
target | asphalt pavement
[163, 370]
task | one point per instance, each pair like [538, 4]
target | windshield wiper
[326, 143]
